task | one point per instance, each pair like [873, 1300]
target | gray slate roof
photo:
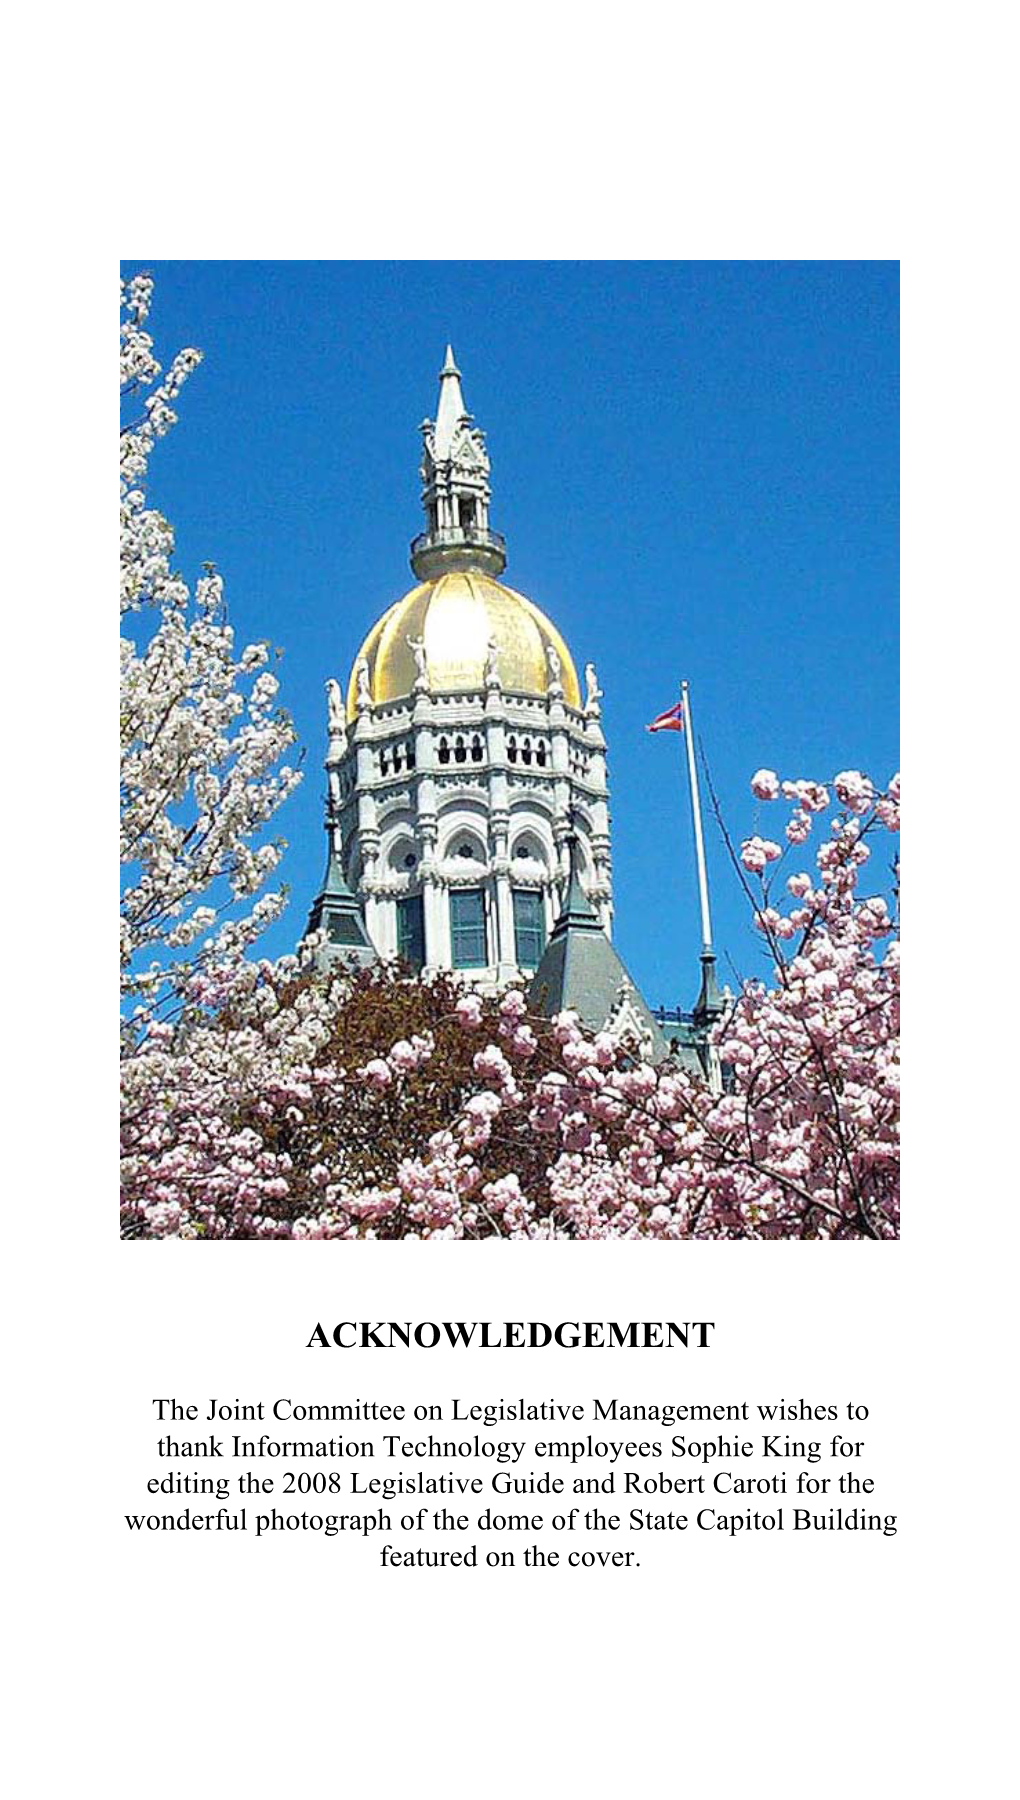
[581, 971]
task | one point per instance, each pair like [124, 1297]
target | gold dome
[457, 614]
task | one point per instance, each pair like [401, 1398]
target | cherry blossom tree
[384, 1105]
[201, 735]
[272, 1100]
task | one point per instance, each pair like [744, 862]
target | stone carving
[492, 664]
[594, 693]
[421, 665]
[626, 1024]
[555, 669]
[336, 720]
[363, 691]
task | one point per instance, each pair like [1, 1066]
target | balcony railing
[458, 534]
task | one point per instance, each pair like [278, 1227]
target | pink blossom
[765, 784]
[756, 852]
[854, 790]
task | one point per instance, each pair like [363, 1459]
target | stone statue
[594, 694]
[336, 721]
[492, 664]
[555, 669]
[421, 663]
[363, 699]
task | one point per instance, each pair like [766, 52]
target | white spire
[451, 409]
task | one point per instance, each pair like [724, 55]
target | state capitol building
[467, 801]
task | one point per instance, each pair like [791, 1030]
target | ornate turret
[455, 490]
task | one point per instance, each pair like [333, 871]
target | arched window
[527, 848]
[511, 749]
[402, 855]
[540, 755]
[526, 751]
[477, 752]
[459, 750]
[444, 750]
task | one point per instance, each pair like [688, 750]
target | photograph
[510, 795]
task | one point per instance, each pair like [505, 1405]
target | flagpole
[699, 841]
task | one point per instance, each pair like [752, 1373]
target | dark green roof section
[337, 912]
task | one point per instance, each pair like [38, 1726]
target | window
[341, 928]
[411, 929]
[467, 928]
[529, 928]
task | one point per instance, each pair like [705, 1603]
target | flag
[673, 720]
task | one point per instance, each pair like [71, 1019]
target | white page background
[803, 1665]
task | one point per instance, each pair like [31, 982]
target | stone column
[424, 796]
[560, 742]
[374, 924]
[437, 935]
[368, 827]
[504, 949]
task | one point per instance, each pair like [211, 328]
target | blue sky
[696, 469]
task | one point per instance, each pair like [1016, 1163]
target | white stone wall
[474, 790]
